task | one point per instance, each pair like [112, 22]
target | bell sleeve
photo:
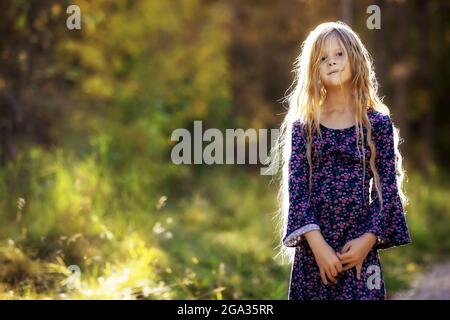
[301, 217]
[389, 224]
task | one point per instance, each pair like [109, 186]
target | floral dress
[339, 207]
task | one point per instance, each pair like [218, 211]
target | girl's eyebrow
[324, 51]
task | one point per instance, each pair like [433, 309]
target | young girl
[339, 151]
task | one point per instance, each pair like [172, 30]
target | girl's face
[334, 68]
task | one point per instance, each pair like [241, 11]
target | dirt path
[431, 285]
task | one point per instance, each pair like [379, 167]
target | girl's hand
[355, 251]
[326, 258]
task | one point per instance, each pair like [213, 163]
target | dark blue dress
[339, 207]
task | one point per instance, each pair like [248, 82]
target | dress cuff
[295, 237]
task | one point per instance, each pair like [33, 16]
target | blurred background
[91, 205]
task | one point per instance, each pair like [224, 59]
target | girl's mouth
[332, 72]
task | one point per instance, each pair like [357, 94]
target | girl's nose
[331, 63]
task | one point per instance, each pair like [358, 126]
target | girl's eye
[322, 59]
[340, 54]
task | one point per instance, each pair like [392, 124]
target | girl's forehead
[331, 43]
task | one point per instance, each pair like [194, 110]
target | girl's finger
[349, 266]
[346, 247]
[330, 276]
[338, 266]
[322, 275]
[358, 271]
[336, 275]
[346, 256]
[333, 271]
[346, 259]
[350, 260]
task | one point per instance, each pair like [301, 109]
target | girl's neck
[338, 100]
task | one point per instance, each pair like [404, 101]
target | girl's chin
[335, 84]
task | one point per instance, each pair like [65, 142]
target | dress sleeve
[301, 217]
[389, 224]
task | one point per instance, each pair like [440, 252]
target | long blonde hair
[304, 99]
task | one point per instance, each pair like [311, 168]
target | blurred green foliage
[86, 177]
